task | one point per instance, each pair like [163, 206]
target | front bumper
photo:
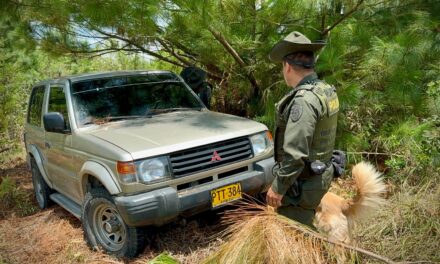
[166, 204]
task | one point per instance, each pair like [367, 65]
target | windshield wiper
[153, 111]
[116, 118]
[100, 121]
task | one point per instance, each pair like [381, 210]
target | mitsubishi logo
[216, 156]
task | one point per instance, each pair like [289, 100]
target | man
[195, 78]
[305, 132]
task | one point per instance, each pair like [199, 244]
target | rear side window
[36, 106]
[57, 103]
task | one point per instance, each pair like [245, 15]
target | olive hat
[294, 42]
[193, 76]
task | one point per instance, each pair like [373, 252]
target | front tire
[104, 227]
[41, 189]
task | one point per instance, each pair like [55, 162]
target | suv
[123, 150]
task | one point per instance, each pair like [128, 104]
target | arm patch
[296, 112]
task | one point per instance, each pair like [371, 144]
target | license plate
[225, 194]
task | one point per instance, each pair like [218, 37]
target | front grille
[232, 172]
[202, 158]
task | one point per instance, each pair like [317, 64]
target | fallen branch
[5, 149]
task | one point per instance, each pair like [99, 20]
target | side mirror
[54, 122]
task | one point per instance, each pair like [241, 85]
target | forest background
[383, 56]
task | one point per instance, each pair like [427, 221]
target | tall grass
[408, 228]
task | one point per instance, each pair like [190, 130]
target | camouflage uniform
[305, 132]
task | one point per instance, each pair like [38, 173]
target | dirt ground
[55, 236]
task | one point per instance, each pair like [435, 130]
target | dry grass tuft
[408, 228]
[257, 234]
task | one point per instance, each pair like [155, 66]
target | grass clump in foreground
[257, 234]
[408, 228]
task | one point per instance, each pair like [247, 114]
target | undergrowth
[408, 228]
[11, 155]
[14, 200]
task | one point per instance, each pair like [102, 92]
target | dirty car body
[122, 150]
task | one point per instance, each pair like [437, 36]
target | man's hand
[273, 199]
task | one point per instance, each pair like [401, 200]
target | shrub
[14, 199]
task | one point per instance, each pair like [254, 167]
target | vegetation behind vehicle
[383, 58]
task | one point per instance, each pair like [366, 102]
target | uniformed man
[196, 79]
[305, 132]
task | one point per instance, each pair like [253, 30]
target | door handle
[47, 145]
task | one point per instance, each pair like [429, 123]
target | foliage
[383, 58]
[415, 147]
[14, 58]
[229, 39]
[12, 198]
[22, 66]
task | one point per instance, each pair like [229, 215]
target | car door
[58, 146]
[34, 131]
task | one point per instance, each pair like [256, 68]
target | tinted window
[57, 103]
[131, 100]
[35, 106]
[82, 86]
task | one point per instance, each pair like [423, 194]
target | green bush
[14, 199]
[414, 148]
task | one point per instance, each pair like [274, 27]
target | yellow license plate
[225, 194]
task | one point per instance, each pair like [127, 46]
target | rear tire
[104, 227]
[41, 189]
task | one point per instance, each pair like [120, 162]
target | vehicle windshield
[105, 100]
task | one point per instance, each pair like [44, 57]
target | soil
[55, 236]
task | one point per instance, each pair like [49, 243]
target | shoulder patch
[296, 112]
[300, 93]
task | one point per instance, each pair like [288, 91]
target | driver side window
[57, 103]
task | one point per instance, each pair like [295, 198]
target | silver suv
[122, 150]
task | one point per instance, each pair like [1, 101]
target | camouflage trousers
[300, 204]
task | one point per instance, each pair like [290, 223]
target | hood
[170, 132]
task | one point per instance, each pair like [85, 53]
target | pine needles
[257, 234]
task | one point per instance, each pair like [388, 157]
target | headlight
[145, 171]
[261, 142]
[151, 170]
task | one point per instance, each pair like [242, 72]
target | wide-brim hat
[294, 42]
[193, 76]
